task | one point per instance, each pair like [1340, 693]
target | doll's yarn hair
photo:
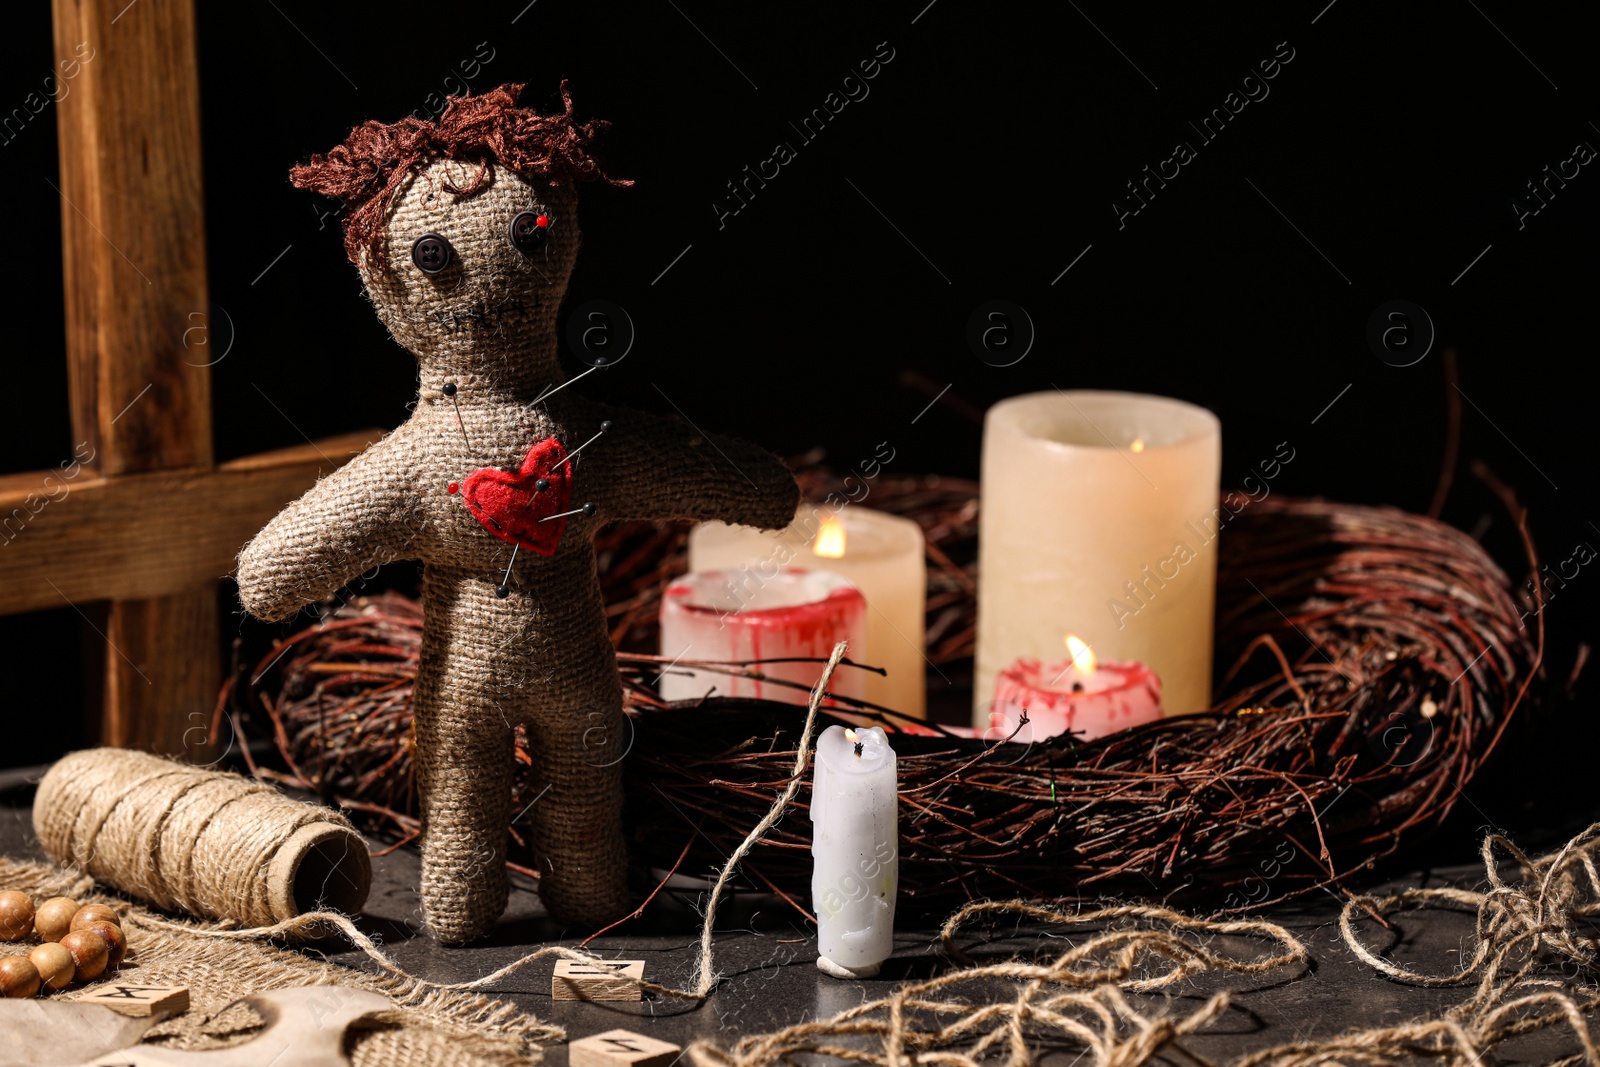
[368, 170]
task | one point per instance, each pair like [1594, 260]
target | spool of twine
[185, 839]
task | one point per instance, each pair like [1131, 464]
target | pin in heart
[511, 506]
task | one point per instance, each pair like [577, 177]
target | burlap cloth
[428, 1026]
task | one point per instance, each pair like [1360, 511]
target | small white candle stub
[855, 850]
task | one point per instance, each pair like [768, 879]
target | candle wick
[858, 747]
[1077, 687]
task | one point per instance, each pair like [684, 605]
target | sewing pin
[538, 487]
[503, 590]
[604, 426]
[449, 390]
[549, 392]
[587, 509]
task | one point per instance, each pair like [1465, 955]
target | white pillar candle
[882, 555]
[794, 614]
[1098, 517]
[855, 850]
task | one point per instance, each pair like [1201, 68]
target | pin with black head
[503, 590]
[449, 390]
[588, 510]
[605, 427]
[540, 486]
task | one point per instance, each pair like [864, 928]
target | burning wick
[1083, 663]
[830, 539]
[850, 735]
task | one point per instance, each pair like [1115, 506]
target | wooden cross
[151, 522]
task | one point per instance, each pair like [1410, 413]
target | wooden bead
[89, 954]
[18, 977]
[116, 941]
[53, 920]
[55, 965]
[16, 916]
[90, 914]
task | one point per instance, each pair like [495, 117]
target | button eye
[431, 253]
[528, 231]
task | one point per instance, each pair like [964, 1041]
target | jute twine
[211, 844]
[1076, 999]
[491, 385]
[1532, 968]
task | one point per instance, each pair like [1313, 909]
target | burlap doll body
[479, 470]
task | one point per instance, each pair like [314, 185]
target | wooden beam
[162, 699]
[133, 249]
[133, 233]
[165, 533]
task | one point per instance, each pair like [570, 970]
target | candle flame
[1083, 657]
[830, 539]
[849, 735]
[1137, 446]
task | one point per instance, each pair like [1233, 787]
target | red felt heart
[511, 507]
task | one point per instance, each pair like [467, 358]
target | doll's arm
[364, 514]
[658, 467]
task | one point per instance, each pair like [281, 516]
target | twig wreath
[1370, 661]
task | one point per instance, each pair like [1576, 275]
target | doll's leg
[578, 741]
[464, 762]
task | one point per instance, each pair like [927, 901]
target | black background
[985, 159]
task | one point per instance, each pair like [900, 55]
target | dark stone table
[766, 955]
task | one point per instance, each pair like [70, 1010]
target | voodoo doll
[464, 232]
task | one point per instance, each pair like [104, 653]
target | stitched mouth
[461, 318]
